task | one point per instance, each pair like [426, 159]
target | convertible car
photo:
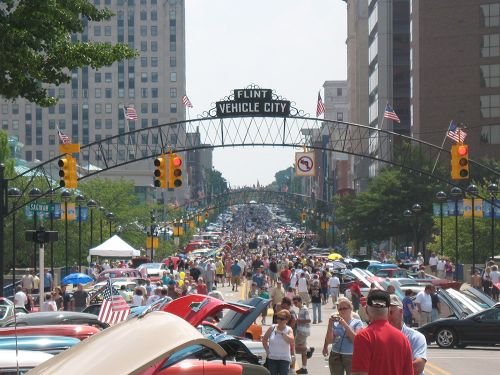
[482, 328]
[183, 350]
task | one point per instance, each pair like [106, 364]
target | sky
[291, 46]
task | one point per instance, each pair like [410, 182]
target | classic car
[115, 273]
[7, 310]
[152, 270]
[19, 362]
[48, 344]
[183, 351]
[80, 332]
[56, 317]
[481, 328]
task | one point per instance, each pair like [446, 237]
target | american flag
[455, 133]
[63, 137]
[187, 102]
[390, 114]
[130, 113]
[320, 107]
[114, 308]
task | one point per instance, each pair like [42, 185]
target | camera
[335, 318]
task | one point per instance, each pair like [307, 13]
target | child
[263, 293]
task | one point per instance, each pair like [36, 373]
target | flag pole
[442, 145]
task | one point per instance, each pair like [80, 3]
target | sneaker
[302, 371]
[309, 353]
[320, 321]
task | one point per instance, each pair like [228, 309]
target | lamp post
[110, 217]
[151, 229]
[79, 200]
[416, 209]
[102, 210]
[408, 214]
[35, 193]
[14, 193]
[473, 191]
[493, 190]
[441, 197]
[65, 197]
[51, 216]
[91, 204]
[456, 193]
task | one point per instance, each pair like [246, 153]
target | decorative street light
[14, 193]
[91, 204]
[493, 190]
[34, 194]
[473, 191]
[52, 194]
[65, 197]
[408, 214]
[102, 210]
[441, 197]
[110, 217]
[80, 199]
[416, 209]
[456, 194]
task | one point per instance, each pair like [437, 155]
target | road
[471, 360]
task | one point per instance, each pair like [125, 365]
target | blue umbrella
[76, 278]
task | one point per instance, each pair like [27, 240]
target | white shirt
[279, 349]
[440, 265]
[242, 264]
[302, 285]
[495, 276]
[433, 261]
[137, 300]
[425, 301]
[20, 299]
[333, 282]
[49, 306]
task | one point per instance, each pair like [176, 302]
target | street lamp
[14, 193]
[102, 210]
[441, 197]
[151, 229]
[456, 194]
[473, 191]
[65, 197]
[416, 209]
[493, 190]
[79, 200]
[91, 204]
[52, 194]
[408, 214]
[34, 194]
[110, 217]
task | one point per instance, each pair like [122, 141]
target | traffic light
[174, 171]
[303, 217]
[160, 171]
[67, 172]
[460, 162]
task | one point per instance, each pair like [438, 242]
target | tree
[215, 183]
[38, 50]
[5, 153]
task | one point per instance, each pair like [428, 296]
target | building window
[144, 31]
[154, 15]
[144, 123]
[52, 124]
[108, 93]
[108, 77]
[173, 107]
[5, 109]
[154, 46]
[144, 46]
[144, 62]
[144, 107]
[339, 91]
[154, 108]
[340, 116]
[173, 77]
[108, 108]
[97, 77]
[144, 15]
[97, 30]
[144, 77]
[154, 30]
[491, 45]
[173, 92]
[62, 108]
[98, 123]
[107, 30]
[173, 61]
[98, 108]
[5, 124]
[490, 75]
[131, 93]
[490, 106]
[108, 123]
[154, 62]
[154, 92]
[15, 109]
[28, 156]
[491, 14]
[97, 93]
[62, 92]
[173, 46]
[52, 139]
[52, 110]
[15, 124]
[144, 93]
[154, 77]
[490, 134]
[121, 93]
[62, 124]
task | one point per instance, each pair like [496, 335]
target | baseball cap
[396, 301]
[378, 298]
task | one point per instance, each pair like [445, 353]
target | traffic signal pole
[3, 206]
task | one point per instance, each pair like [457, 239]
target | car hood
[236, 323]
[129, 347]
[195, 308]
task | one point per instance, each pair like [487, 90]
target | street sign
[41, 207]
[304, 164]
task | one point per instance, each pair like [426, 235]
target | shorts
[235, 280]
[433, 268]
[300, 343]
[334, 292]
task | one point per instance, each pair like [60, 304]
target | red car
[80, 332]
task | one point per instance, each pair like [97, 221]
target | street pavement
[471, 360]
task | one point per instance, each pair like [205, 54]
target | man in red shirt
[371, 353]
[285, 276]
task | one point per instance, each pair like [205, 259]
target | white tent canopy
[114, 247]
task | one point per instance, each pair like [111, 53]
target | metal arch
[244, 196]
[291, 131]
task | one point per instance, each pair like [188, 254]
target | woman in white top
[138, 298]
[277, 342]
[49, 304]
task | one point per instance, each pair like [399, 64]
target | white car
[22, 363]
[153, 269]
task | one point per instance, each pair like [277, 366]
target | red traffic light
[176, 161]
[463, 150]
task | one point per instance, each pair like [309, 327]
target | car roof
[25, 358]
[128, 348]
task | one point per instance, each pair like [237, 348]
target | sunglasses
[343, 308]
[278, 318]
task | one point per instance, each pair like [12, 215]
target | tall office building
[456, 72]
[90, 107]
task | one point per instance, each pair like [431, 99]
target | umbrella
[76, 278]
[334, 256]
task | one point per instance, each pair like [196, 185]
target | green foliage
[5, 154]
[37, 35]
[215, 183]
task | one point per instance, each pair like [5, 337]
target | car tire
[446, 338]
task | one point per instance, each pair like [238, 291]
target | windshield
[152, 265]
[465, 303]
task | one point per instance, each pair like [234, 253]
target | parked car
[183, 350]
[149, 270]
[115, 273]
[375, 267]
[19, 362]
[80, 332]
[482, 328]
[56, 317]
[7, 310]
[48, 344]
